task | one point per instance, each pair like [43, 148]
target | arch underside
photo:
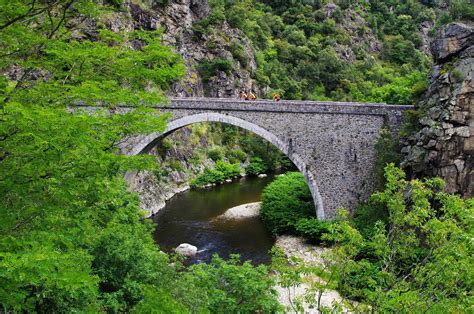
[149, 140]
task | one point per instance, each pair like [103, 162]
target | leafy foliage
[387, 150]
[403, 266]
[73, 237]
[219, 174]
[209, 69]
[256, 166]
[313, 229]
[285, 201]
[310, 52]
[235, 287]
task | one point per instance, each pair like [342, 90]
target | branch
[21, 16]
[61, 21]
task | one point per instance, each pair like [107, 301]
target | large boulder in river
[249, 210]
[186, 249]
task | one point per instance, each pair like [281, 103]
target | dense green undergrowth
[223, 171]
[408, 250]
[288, 207]
[229, 152]
[308, 51]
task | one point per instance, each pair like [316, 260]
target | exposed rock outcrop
[444, 144]
[177, 19]
[177, 169]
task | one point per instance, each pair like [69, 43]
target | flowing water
[189, 217]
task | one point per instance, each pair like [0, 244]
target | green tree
[421, 260]
[233, 286]
[62, 185]
[285, 201]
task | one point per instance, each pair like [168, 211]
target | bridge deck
[327, 107]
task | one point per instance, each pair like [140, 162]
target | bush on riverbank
[313, 229]
[223, 171]
[285, 201]
[256, 166]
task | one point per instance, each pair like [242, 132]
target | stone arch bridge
[331, 143]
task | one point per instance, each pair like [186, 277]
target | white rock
[262, 175]
[186, 249]
[242, 211]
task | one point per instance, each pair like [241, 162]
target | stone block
[462, 131]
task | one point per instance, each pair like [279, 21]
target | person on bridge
[252, 96]
[276, 96]
[243, 95]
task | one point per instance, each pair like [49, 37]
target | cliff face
[176, 20]
[444, 145]
[178, 162]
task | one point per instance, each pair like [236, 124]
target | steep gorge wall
[444, 144]
[176, 21]
[178, 165]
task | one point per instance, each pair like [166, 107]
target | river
[189, 217]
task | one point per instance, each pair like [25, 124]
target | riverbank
[308, 255]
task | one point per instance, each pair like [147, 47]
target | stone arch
[147, 141]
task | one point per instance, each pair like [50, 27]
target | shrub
[366, 215]
[235, 287]
[239, 54]
[312, 229]
[176, 165]
[208, 69]
[387, 148]
[236, 155]
[256, 166]
[361, 280]
[216, 153]
[229, 170]
[285, 201]
[222, 172]
[209, 176]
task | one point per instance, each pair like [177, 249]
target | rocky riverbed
[308, 255]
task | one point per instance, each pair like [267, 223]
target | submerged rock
[186, 249]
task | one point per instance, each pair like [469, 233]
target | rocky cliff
[181, 157]
[443, 145]
[177, 21]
